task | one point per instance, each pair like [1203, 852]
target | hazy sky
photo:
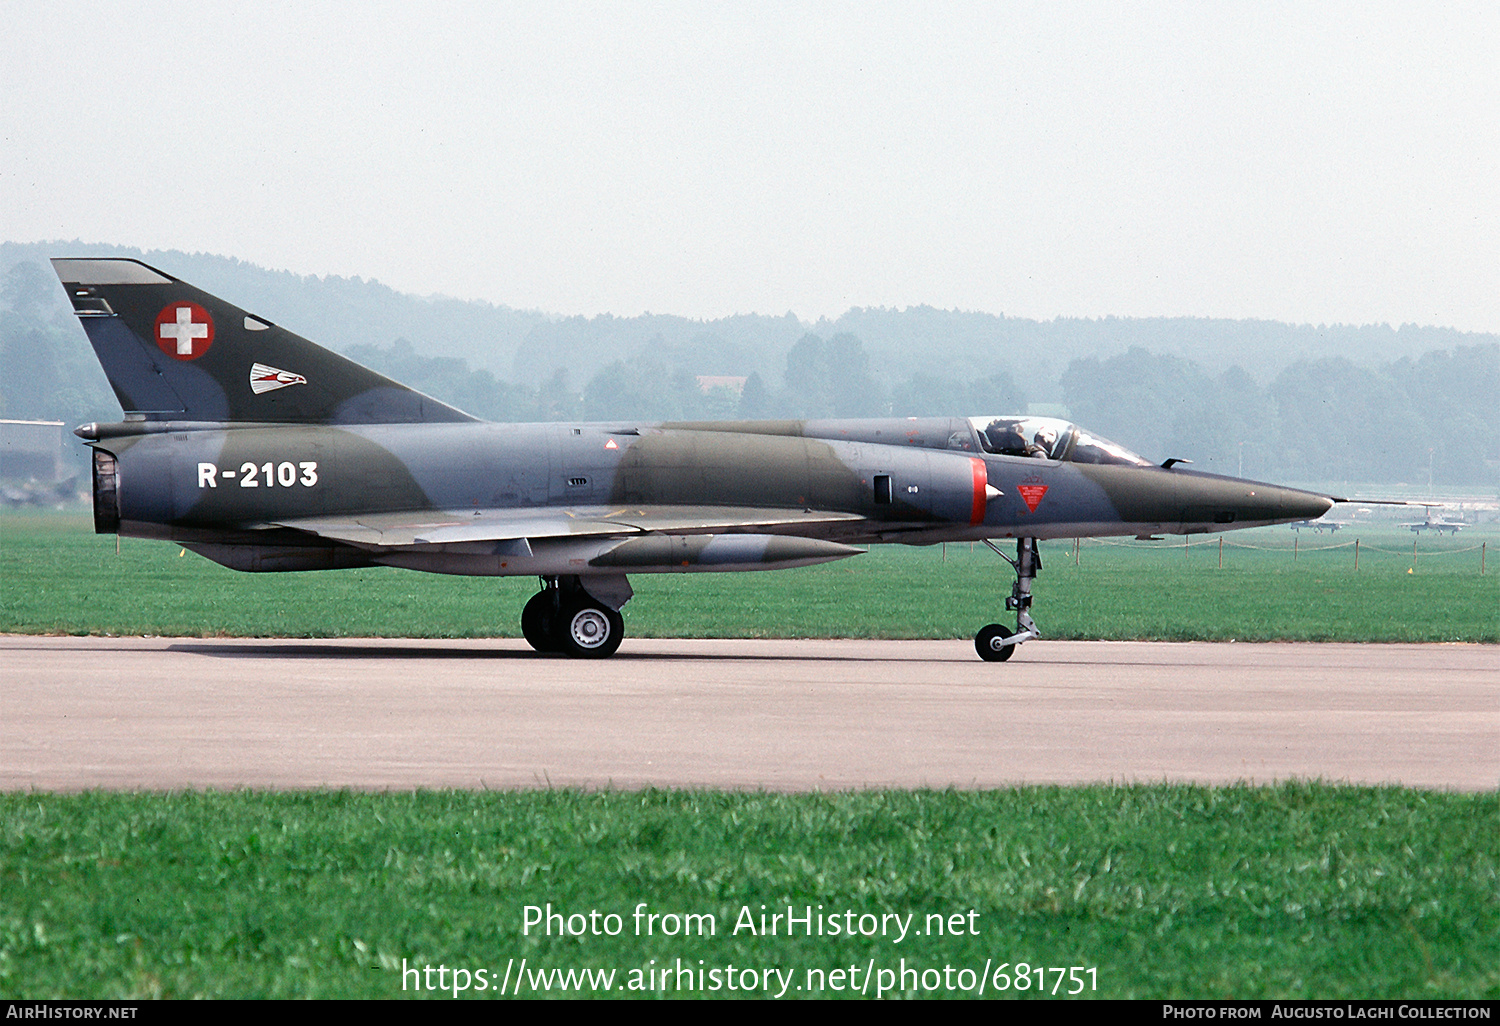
[1306, 162]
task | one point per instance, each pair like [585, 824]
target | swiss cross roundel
[184, 331]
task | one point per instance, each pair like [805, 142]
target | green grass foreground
[56, 576]
[1297, 890]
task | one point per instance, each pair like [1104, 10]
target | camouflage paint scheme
[264, 452]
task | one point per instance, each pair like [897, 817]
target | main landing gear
[564, 617]
[997, 643]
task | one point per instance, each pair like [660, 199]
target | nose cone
[1273, 504]
[1305, 505]
[1210, 502]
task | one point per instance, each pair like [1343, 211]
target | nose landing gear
[995, 643]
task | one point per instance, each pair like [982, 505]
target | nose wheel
[996, 643]
[993, 643]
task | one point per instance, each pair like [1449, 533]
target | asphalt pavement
[169, 713]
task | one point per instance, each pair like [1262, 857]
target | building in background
[34, 466]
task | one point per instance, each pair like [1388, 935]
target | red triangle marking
[1032, 495]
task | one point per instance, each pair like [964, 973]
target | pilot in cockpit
[1041, 444]
[1005, 437]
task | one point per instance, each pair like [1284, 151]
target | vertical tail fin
[174, 352]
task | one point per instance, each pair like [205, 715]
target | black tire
[984, 643]
[587, 630]
[539, 622]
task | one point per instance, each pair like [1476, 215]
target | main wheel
[539, 622]
[590, 631]
[985, 643]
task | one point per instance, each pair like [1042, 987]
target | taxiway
[168, 713]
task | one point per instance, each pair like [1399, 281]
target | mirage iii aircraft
[261, 451]
[1438, 525]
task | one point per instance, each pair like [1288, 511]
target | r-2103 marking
[284, 474]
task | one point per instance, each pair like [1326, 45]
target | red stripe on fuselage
[981, 481]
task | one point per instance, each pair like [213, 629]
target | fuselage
[915, 481]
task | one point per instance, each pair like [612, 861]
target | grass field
[1299, 890]
[56, 576]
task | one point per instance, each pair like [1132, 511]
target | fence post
[1295, 541]
[1481, 557]
[1356, 555]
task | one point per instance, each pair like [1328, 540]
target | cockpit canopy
[1049, 438]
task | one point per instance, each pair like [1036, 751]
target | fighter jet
[1439, 524]
[261, 451]
[1319, 526]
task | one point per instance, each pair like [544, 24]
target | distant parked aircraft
[1439, 525]
[1320, 525]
